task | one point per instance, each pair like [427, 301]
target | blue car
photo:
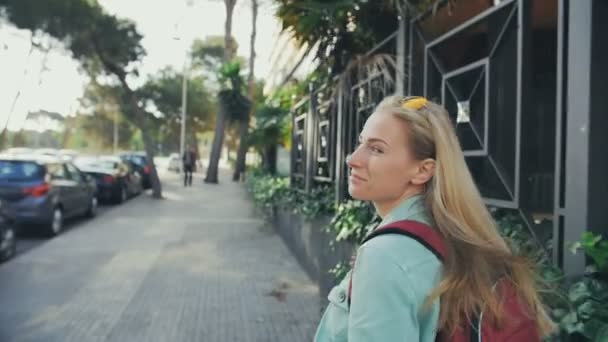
[44, 191]
[8, 236]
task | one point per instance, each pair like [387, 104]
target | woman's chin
[356, 193]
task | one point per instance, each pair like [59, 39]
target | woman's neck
[383, 208]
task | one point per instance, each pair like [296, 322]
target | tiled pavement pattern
[197, 266]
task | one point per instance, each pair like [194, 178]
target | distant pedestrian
[188, 160]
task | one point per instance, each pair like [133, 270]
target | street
[199, 265]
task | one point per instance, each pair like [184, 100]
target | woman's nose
[352, 160]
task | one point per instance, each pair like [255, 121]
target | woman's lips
[355, 178]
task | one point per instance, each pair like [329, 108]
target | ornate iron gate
[500, 91]
[499, 67]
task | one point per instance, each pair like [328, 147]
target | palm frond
[363, 66]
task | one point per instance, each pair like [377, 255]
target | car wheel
[56, 224]
[10, 243]
[92, 211]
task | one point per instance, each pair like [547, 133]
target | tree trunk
[216, 147]
[230, 4]
[140, 118]
[241, 156]
[270, 159]
[145, 133]
[3, 139]
[149, 147]
[220, 124]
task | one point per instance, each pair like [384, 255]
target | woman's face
[382, 167]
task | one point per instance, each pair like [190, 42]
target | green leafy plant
[596, 248]
[585, 314]
[270, 191]
[353, 220]
[319, 201]
[579, 307]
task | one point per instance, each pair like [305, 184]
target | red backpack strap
[423, 233]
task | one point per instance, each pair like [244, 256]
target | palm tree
[233, 107]
[220, 123]
[244, 124]
[272, 128]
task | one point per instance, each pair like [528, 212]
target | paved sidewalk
[197, 266]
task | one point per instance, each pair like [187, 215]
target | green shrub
[320, 201]
[267, 191]
[578, 306]
[353, 220]
[276, 192]
[584, 312]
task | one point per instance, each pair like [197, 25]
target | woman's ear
[426, 171]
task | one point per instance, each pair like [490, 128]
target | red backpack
[518, 325]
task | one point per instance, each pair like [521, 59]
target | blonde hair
[477, 255]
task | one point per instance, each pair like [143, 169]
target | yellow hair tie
[415, 103]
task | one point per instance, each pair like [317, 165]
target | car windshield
[20, 170]
[139, 160]
[107, 164]
[97, 164]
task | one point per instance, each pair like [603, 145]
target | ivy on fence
[270, 192]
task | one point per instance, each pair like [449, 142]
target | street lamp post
[115, 137]
[183, 121]
[182, 138]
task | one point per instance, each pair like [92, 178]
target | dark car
[141, 164]
[116, 180]
[8, 240]
[41, 190]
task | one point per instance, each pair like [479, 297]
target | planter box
[311, 247]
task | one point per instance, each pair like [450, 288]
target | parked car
[53, 152]
[142, 165]
[68, 155]
[18, 150]
[42, 190]
[175, 162]
[116, 180]
[8, 235]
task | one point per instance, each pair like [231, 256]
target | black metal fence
[501, 70]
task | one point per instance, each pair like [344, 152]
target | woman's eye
[376, 149]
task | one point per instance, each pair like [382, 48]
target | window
[73, 173]
[56, 171]
[20, 170]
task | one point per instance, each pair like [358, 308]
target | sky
[32, 80]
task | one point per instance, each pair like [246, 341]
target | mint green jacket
[392, 277]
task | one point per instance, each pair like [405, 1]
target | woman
[409, 164]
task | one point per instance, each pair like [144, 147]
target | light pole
[115, 138]
[182, 137]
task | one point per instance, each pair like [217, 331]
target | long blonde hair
[477, 255]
